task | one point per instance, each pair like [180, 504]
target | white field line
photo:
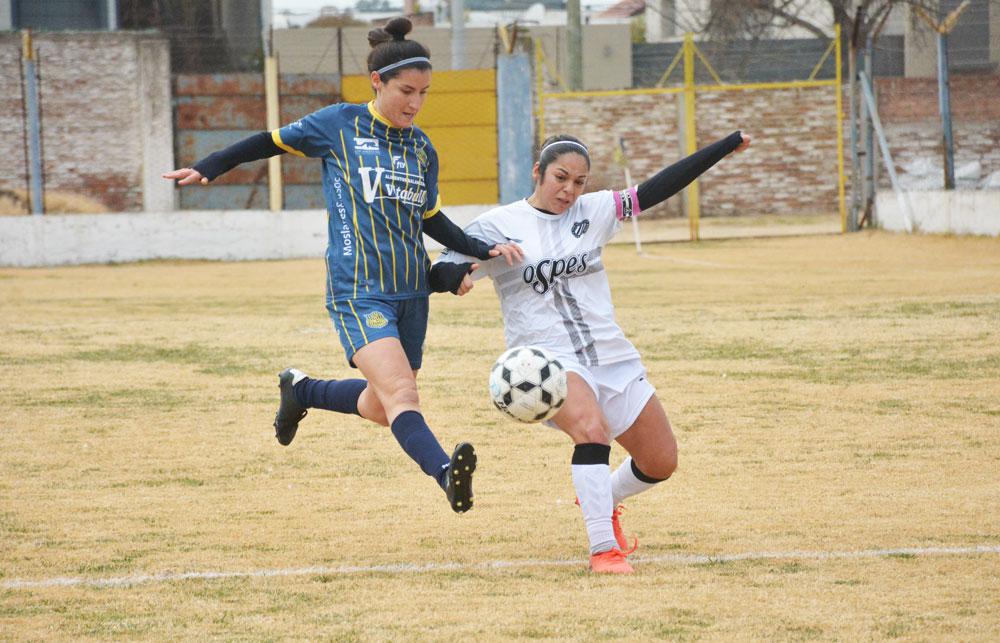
[410, 568]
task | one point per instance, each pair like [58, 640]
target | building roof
[624, 9]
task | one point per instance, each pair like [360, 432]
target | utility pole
[943, 28]
[457, 34]
[275, 185]
[33, 110]
[574, 45]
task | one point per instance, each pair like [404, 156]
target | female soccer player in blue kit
[380, 175]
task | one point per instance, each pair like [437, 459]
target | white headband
[405, 61]
[580, 145]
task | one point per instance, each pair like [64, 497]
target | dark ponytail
[389, 45]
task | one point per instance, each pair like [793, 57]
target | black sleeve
[259, 146]
[447, 277]
[444, 231]
[671, 180]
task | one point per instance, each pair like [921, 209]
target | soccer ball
[528, 383]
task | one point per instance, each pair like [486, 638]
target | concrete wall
[105, 117]
[953, 212]
[54, 240]
[607, 51]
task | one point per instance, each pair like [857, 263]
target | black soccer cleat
[458, 478]
[290, 412]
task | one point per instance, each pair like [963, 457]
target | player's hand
[510, 251]
[467, 282]
[744, 144]
[186, 176]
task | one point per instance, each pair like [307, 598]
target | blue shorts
[360, 322]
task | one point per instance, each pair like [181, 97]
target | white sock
[593, 490]
[297, 375]
[624, 484]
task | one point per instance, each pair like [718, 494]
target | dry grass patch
[829, 394]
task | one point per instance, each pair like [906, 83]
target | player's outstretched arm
[256, 147]
[674, 178]
[443, 230]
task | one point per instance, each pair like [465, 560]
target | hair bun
[394, 30]
[398, 28]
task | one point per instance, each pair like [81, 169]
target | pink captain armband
[626, 203]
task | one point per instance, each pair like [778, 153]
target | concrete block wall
[792, 166]
[105, 117]
[647, 122]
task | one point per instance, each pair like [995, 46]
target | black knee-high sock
[417, 440]
[332, 395]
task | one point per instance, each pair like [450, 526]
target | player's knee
[593, 432]
[401, 393]
[660, 465]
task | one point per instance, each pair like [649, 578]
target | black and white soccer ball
[528, 383]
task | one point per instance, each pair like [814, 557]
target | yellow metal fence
[688, 57]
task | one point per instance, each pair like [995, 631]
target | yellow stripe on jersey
[434, 210]
[409, 221]
[399, 224]
[276, 137]
[371, 213]
[375, 114]
[354, 218]
[347, 334]
[361, 326]
[417, 241]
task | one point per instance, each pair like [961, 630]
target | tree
[858, 20]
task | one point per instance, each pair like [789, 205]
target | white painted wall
[938, 211]
[6, 19]
[55, 240]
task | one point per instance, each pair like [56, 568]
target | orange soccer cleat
[620, 535]
[612, 561]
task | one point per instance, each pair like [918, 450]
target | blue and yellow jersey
[379, 182]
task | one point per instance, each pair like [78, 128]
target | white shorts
[621, 389]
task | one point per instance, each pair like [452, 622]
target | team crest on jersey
[375, 320]
[365, 144]
[422, 157]
[580, 228]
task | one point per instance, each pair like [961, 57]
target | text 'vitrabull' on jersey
[379, 182]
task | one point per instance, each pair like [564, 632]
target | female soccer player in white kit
[558, 298]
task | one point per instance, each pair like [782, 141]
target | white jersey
[558, 297]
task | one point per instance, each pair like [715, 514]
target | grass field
[836, 401]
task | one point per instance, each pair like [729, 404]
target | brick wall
[13, 163]
[92, 133]
[213, 111]
[792, 166]
[909, 111]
